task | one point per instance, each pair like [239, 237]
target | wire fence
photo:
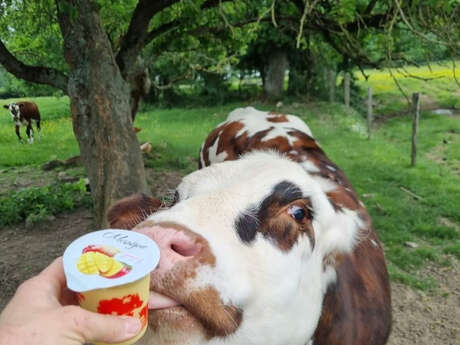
[365, 105]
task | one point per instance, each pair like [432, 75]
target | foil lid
[108, 258]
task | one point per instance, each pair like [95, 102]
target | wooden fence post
[369, 112]
[346, 93]
[416, 113]
[331, 86]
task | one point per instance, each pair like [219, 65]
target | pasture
[379, 168]
[415, 210]
[435, 82]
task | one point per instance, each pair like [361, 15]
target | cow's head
[244, 254]
[15, 110]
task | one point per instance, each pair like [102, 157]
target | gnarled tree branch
[161, 30]
[36, 74]
[135, 38]
[175, 23]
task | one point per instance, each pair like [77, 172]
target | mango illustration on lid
[98, 259]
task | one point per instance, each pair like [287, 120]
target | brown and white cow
[264, 247]
[23, 114]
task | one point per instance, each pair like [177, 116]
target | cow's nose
[175, 245]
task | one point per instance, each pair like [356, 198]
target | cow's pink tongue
[157, 301]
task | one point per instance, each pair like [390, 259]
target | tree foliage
[188, 41]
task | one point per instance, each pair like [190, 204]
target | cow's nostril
[186, 248]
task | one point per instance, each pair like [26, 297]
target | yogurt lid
[108, 258]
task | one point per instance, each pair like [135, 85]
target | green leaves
[30, 31]
[343, 11]
[38, 203]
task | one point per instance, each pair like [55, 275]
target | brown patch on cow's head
[303, 140]
[306, 148]
[217, 318]
[341, 198]
[283, 217]
[130, 211]
[201, 310]
[224, 134]
[283, 228]
[277, 118]
[280, 144]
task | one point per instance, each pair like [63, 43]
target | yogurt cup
[110, 272]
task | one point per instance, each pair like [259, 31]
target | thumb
[103, 328]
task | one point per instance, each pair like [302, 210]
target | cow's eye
[176, 198]
[296, 212]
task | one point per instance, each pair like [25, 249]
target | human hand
[42, 313]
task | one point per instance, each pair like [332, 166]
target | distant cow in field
[267, 244]
[23, 114]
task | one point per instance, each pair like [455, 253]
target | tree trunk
[101, 108]
[139, 82]
[274, 78]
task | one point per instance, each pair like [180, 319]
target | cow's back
[29, 110]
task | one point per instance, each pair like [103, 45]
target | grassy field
[57, 141]
[436, 83]
[378, 168]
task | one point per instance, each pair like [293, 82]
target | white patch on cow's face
[279, 291]
[15, 113]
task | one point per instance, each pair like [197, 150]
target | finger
[53, 277]
[102, 328]
[44, 289]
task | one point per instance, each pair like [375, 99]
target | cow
[267, 244]
[24, 113]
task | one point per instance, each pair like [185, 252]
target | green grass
[57, 141]
[38, 203]
[439, 88]
[377, 168]
[176, 134]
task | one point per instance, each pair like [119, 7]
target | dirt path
[419, 318]
[25, 252]
[433, 318]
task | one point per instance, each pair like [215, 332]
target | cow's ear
[21, 105]
[6, 106]
[337, 223]
[340, 232]
[130, 211]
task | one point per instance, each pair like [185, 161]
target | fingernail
[132, 325]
